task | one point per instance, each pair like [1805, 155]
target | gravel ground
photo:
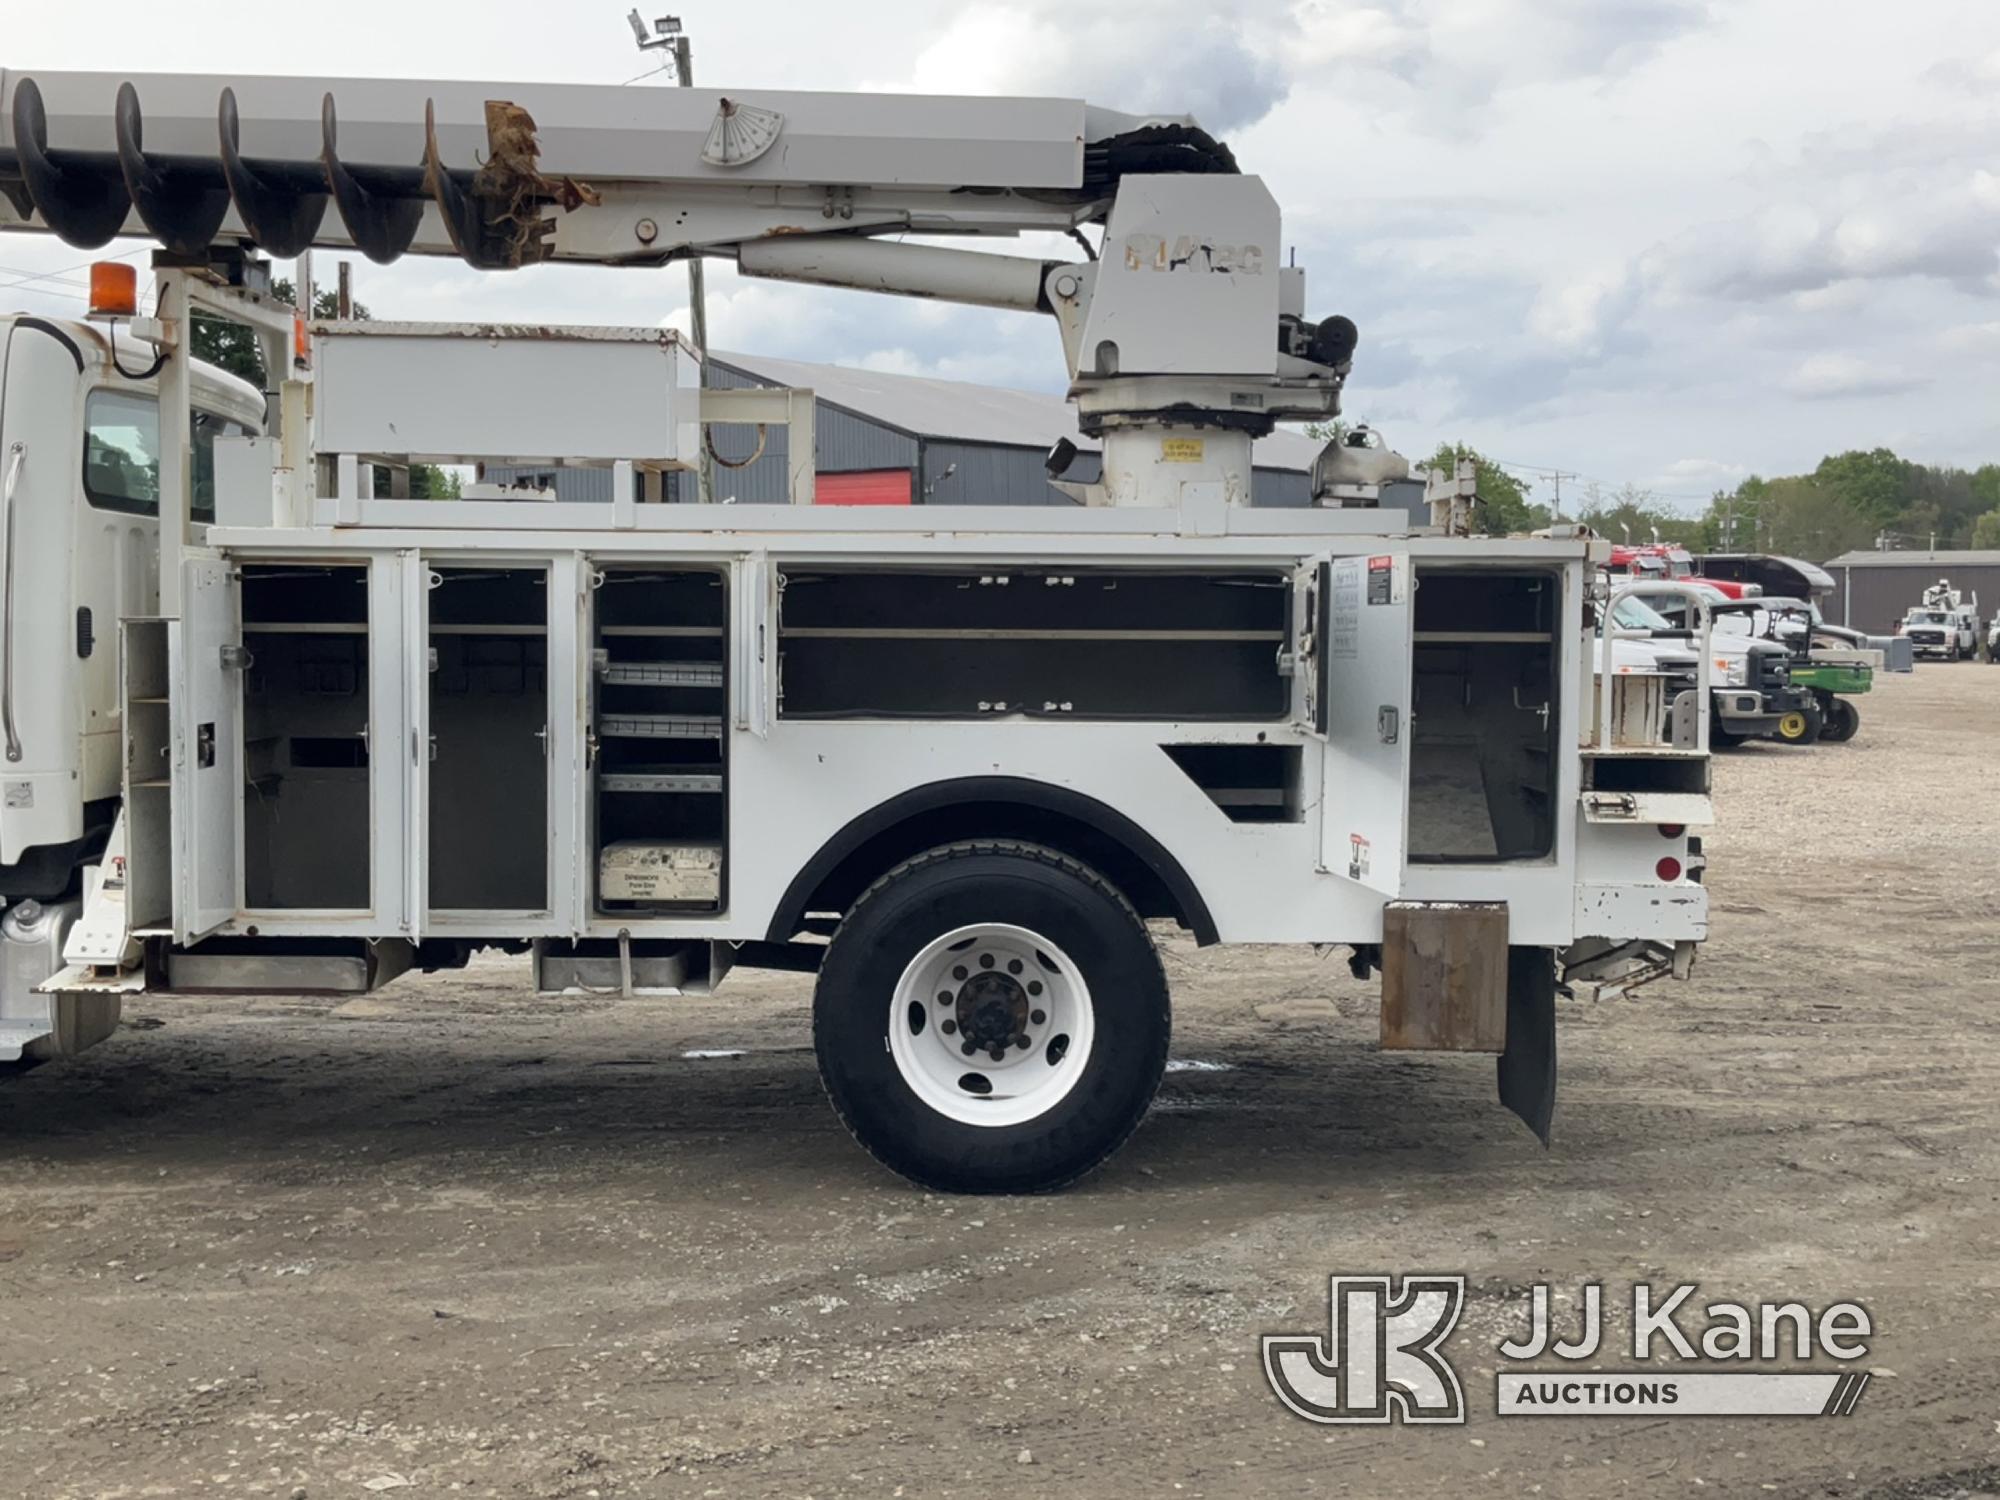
[449, 1238]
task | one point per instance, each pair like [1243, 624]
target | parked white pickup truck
[1945, 625]
[1751, 694]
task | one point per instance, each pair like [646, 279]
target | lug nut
[947, 1027]
[969, 1048]
[985, 960]
[1013, 966]
[1023, 1043]
[1034, 986]
[1037, 1016]
[999, 1054]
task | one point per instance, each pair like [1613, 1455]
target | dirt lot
[449, 1239]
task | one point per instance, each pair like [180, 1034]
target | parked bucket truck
[951, 760]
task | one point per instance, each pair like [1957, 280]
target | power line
[47, 291]
[1547, 471]
[28, 277]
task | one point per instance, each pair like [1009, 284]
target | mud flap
[1527, 1068]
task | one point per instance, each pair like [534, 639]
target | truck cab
[79, 551]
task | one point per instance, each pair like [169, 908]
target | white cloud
[1875, 223]
[1683, 472]
[1971, 338]
[1179, 57]
[1827, 377]
[1578, 313]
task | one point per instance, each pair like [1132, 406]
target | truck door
[1364, 687]
[205, 651]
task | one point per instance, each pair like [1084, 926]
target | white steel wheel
[1008, 947]
[991, 1024]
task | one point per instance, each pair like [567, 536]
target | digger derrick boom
[508, 174]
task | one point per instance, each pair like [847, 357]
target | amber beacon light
[114, 289]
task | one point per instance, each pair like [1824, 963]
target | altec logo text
[1382, 1359]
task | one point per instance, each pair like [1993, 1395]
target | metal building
[1873, 589]
[886, 439]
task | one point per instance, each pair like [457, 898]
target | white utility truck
[950, 759]
[1945, 625]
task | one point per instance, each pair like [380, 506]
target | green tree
[1734, 520]
[1986, 531]
[1984, 483]
[1632, 514]
[1874, 484]
[1805, 518]
[1505, 509]
[233, 347]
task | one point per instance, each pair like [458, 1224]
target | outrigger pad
[1528, 1067]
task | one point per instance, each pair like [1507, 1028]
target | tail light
[1668, 868]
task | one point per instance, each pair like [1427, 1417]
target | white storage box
[644, 870]
[446, 392]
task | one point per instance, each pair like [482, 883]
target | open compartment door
[1364, 689]
[417, 582]
[1311, 618]
[206, 657]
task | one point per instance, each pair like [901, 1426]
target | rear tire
[1030, 958]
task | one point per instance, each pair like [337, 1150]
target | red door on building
[863, 487]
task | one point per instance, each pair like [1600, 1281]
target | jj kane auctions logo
[1382, 1357]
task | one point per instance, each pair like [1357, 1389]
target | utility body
[952, 760]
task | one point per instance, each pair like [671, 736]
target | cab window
[121, 453]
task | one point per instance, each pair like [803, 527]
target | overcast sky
[1670, 242]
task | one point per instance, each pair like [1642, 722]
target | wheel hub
[991, 1024]
[991, 1011]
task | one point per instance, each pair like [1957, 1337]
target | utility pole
[343, 307]
[666, 35]
[1541, 471]
[1556, 506]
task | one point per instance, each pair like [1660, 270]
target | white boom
[1183, 327]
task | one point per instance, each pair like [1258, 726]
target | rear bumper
[1661, 911]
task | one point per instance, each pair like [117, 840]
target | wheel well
[994, 807]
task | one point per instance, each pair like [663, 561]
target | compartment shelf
[305, 627]
[996, 633]
[695, 631]
[687, 674]
[1482, 637]
[660, 726]
[662, 779]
